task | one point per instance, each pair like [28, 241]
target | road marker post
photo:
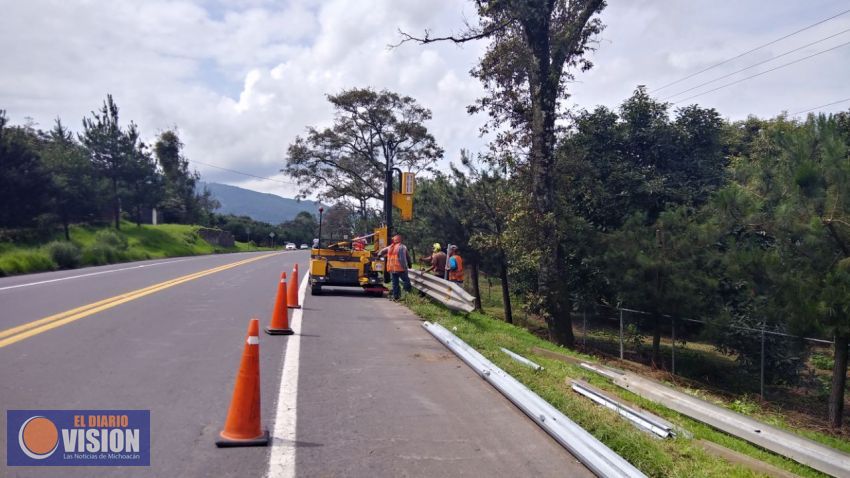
[292, 290]
[280, 314]
[243, 427]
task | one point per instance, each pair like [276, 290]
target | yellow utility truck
[354, 262]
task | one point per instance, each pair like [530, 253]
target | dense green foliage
[104, 172]
[682, 214]
[55, 178]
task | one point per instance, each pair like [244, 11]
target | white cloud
[242, 79]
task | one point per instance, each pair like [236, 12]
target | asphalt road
[376, 395]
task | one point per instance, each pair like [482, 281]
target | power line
[243, 173]
[749, 51]
[763, 72]
[821, 106]
[759, 63]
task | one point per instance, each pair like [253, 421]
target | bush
[23, 262]
[113, 239]
[66, 255]
[99, 254]
[822, 362]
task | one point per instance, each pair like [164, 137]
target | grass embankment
[92, 246]
[679, 457]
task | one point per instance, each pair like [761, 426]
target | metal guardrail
[597, 457]
[784, 443]
[445, 292]
[641, 418]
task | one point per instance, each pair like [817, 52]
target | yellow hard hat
[436, 246]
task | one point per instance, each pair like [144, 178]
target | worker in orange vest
[398, 262]
[455, 266]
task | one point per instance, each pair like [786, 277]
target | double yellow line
[25, 331]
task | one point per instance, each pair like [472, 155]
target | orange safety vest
[457, 274]
[393, 264]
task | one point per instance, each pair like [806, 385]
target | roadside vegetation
[93, 246]
[679, 457]
[61, 190]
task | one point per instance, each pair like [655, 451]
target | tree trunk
[116, 208]
[66, 227]
[839, 378]
[656, 341]
[551, 278]
[506, 291]
[476, 290]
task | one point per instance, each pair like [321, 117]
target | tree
[372, 133]
[793, 191]
[24, 181]
[301, 229]
[525, 72]
[109, 150]
[180, 203]
[144, 184]
[75, 187]
[488, 203]
[339, 222]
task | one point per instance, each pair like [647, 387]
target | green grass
[104, 245]
[680, 457]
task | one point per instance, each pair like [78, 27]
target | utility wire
[819, 107]
[763, 72]
[759, 63]
[749, 51]
[243, 173]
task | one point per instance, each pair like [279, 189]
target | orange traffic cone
[280, 314]
[292, 290]
[242, 427]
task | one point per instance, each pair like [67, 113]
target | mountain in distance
[265, 207]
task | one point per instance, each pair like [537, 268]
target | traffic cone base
[271, 331]
[224, 442]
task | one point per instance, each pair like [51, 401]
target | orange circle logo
[38, 437]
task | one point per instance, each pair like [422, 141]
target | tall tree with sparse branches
[534, 47]
[371, 131]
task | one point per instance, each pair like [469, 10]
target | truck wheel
[316, 290]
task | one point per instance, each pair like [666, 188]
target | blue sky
[241, 78]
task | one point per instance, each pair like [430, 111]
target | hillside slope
[264, 207]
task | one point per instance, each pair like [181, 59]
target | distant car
[290, 246]
[304, 246]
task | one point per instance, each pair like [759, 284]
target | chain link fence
[791, 370]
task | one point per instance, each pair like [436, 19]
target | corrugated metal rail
[445, 292]
[597, 457]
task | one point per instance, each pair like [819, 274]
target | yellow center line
[21, 332]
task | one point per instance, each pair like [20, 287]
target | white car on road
[290, 246]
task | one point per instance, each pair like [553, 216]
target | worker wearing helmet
[436, 261]
[455, 266]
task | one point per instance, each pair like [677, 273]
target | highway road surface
[366, 391]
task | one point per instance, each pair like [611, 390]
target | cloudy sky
[241, 78]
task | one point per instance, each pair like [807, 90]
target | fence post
[761, 379]
[673, 348]
[621, 334]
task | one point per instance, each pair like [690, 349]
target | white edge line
[282, 453]
[93, 274]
